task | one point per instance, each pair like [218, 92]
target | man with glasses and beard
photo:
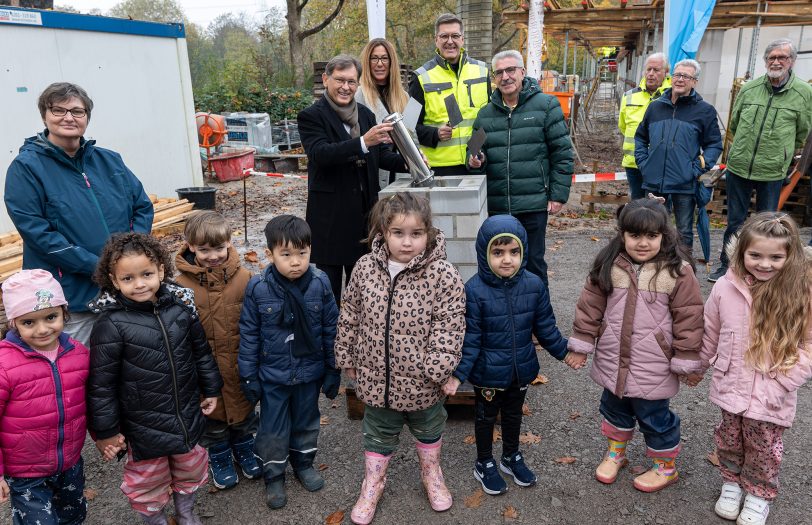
[772, 116]
[344, 150]
[527, 156]
[450, 72]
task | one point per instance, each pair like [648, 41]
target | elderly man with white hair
[677, 141]
[771, 117]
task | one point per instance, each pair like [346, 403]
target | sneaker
[717, 274]
[275, 496]
[729, 502]
[310, 479]
[488, 475]
[755, 511]
[514, 465]
[223, 474]
[243, 452]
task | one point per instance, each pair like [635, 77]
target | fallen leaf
[595, 239]
[335, 518]
[212, 489]
[334, 404]
[251, 256]
[469, 440]
[474, 500]
[232, 193]
[550, 272]
[325, 420]
[566, 460]
[497, 435]
[90, 494]
[528, 438]
[575, 415]
[638, 469]
[540, 380]
[342, 389]
[510, 513]
[713, 458]
[526, 410]
[323, 467]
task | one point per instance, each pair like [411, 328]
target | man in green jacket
[527, 155]
[771, 118]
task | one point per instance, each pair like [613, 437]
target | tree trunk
[296, 36]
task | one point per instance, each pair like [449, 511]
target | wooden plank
[168, 205]
[172, 220]
[13, 263]
[172, 212]
[604, 199]
[10, 250]
[9, 237]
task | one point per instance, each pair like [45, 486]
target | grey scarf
[348, 114]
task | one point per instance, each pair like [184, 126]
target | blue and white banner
[686, 21]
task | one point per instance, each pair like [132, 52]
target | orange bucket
[565, 99]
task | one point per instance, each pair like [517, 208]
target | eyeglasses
[509, 70]
[446, 36]
[682, 76]
[378, 60]
[777, 58]
[352, 84]
[61, 112]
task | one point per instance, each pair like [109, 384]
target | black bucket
[201, 196]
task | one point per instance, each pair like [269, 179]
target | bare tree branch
[324, 23]
[505, 42]
[301, 6]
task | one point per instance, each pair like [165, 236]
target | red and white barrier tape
[610, 176]
[249, 171]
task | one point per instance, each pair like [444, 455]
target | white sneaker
[755, 511]
[729, 502]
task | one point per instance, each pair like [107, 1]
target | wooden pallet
[355, 407]
[797, 204]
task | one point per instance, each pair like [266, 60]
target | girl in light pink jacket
[757, 322]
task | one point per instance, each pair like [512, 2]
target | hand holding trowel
[475, 143]
[454, 117]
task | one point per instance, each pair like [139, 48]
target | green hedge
[279, 103]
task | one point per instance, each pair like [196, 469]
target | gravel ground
[564, 415]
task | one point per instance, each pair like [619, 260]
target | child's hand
[692, 379]
[331, 382]
[251, 389]
[450, 387]
[575, 360]
[208, 405]
[351, 373]
[4, 490]
[111, 446]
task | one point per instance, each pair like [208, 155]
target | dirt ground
[564, 444]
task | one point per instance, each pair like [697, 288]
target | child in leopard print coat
[400, 337]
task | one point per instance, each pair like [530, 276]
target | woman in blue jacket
[66, 197]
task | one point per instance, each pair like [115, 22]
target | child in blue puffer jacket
[287, 331]
[506, 305]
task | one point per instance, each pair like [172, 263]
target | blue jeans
[683, 206]
[536, 225]
[659, 425]
[52, 500]
[635, 179]
[738, 203]
[289, 421]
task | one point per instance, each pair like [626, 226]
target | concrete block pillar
[477, 17]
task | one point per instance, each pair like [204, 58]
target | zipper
[98, 206]
[470, 97]
[386, 339]
[510, 124]
[174, 378]
[60, 406]
[512, 328]
[673, 143]
[758, 137]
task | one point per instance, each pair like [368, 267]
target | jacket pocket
[668, 352]
[775, 395]
[724, 352]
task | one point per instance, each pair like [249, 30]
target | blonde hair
[396, 96]
[207, 227]
[779, 318]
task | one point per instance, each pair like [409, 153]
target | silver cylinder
[400, 135]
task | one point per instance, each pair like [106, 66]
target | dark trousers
[738, 191]
[536, 225]
[288, 428]
[219, 432]
[635, 179]
[334, 273]
[683, 206]
[509, 402]
[659, 425]
[445, 171]
[52, 500]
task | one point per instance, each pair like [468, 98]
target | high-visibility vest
[632, 108]
[470, 87]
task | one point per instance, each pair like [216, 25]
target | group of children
[177, 363]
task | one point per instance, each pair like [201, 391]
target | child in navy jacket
[506, 305]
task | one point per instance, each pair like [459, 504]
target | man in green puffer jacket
[771, 118]
[527, 155]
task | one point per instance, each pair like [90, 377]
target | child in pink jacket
[757, 322]
[42, 404]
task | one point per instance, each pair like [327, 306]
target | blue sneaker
[514, 465]
[223, 474]
[488, 475]
[243, 452]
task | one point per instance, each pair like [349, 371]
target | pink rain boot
[371, 488]
[432, 475]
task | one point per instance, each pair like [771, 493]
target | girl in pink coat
[42, 404]
[757, 322]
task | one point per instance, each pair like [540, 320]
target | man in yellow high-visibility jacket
[632, 108]
[450, 72]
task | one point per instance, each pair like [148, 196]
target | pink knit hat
[30, 290]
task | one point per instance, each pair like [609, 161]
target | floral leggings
[750, 453]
